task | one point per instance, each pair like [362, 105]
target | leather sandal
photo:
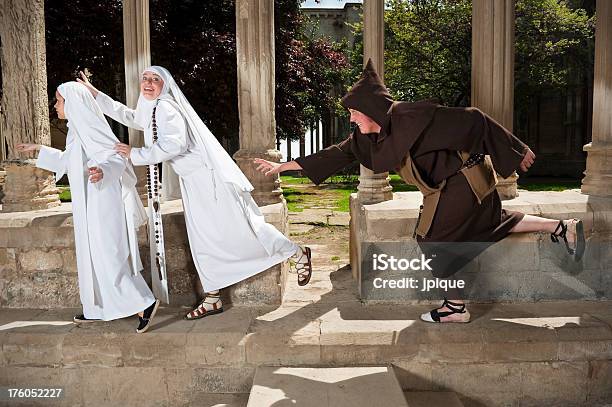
[304, 269]
[455, 308]
[576, 227]
[201, 311]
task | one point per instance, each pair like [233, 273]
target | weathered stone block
[163, 350]
[8, 261]
[180, 382]
[558, 383]
[215, 348]
[40, 260]
[516, 253]
[118, 386]
[520, 351]
[44, 289]
[502, 380]
[599, 386]
[413, 375]
[69, 263]
[23, 349]
[360, 355]
[44, 377]
[91, 350]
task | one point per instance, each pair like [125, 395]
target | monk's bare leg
[531, 223]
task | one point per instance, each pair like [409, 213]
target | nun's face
[59, 105]
[151, 85]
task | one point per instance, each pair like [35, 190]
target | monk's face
[151, 85]
[365, 123]
[59, 105]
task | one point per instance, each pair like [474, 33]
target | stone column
[28, 188]
[598, 174]
[256, 87]
[25, 112]
[374, 188]
[493, 68]
[137, 56]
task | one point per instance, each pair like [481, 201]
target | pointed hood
[370, 96]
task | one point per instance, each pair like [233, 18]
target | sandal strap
[302, 268]
[201, 310]
[554, 236]
[455, 308]
[561, 234]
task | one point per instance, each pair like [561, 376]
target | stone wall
[522, 267]
[38, 263]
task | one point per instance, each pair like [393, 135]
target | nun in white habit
[106, 211]
[228, 236]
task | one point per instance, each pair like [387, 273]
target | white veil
[88, 127]
[215, 156]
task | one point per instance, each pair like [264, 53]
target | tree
[195, 40]
[428, 47]
[554, 47]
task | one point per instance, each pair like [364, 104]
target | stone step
[326, 387]
[432, 399]
[529, 354]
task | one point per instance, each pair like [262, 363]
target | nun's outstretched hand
[95, 175]
[123, 149]
[85, 81]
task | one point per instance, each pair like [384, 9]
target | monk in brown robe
[451, 155]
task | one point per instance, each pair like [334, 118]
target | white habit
[105, 214]
[228, 236]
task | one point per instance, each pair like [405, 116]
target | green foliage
[196, 41]
[554, 44]
[428, 48]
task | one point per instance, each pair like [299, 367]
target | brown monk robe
[432, 136]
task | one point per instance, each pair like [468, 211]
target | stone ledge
[522, 267]
[38, 261]
[349, 334]
[539, 354]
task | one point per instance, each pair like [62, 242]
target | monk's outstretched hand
[123, 149]
[528, 160]
[267, 167]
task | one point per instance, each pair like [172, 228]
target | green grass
[294, 180]
[64, 195]
[341, 188]
[295, 199]
[557, 186]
